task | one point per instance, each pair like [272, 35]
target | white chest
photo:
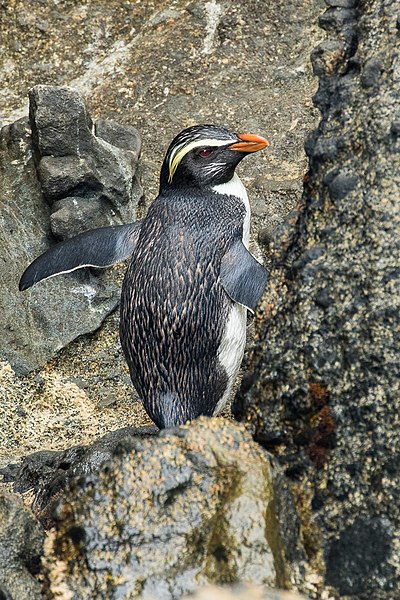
[230, 352]
[235, 187]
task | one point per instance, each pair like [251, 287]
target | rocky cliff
[323, 388]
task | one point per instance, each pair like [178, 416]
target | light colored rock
[196, 504]
[243, 592]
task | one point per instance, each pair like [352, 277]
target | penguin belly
[231, 349]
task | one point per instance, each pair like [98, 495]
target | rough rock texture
[21, 545]
[50, 411]
[197, 504]
[324, 389]
[47, 474]
[37, 323]
[88, 180]
[242, 592]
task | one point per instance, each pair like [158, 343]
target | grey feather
[101, 247]
[242, 276]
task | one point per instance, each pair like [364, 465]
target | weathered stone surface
[72, 161]
[168, 514]
[37, 323]
[78, 215]
[21, 545]
[52, 411]
[60, 176]
[323, 388]
[59, 120]
[48, 473]
[242, 592]
[125, 137]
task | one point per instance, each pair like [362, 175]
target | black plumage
[174, 307]
[188, 271]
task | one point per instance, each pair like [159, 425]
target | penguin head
[204, 156]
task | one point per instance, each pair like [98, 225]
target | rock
[21, 545]
[168, 514]
[242, 592]
[78, 214]
[87, 182]
[323, 385]
[33, 325]
[125, 137]
[60, 123]
[73, 162]
[62, 175]
[47, 473]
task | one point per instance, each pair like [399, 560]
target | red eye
[205, 152]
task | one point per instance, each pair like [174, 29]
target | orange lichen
[323, 437]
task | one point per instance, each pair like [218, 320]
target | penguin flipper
[100, 247]
[242, 276]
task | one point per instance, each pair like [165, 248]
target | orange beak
[249, 143]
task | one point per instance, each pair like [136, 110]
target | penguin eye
[204, 152]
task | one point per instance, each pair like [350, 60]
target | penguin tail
[169, 410]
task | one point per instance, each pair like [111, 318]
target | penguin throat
[234, 187]
[186, 180]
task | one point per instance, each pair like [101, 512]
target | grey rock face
[194, 505]
[37, 323]
[95, 164]
[60, 123]
[21, 545]
[324, 386]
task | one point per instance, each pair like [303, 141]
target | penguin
[190, 280]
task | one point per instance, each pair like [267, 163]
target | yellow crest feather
[180, 151]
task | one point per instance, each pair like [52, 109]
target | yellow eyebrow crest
[180, 151]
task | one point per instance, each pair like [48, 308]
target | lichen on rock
[169, 514]
[323, 392]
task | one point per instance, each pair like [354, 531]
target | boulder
[168, 514]
[76, 159]
[323, 384]
[68, 158]
[21, 545]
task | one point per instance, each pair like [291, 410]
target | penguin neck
[234, 187]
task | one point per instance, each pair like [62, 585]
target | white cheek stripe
[180, 151]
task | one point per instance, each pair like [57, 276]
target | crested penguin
[190, 279]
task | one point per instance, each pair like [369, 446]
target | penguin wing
[242, 276]
[101, 247]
